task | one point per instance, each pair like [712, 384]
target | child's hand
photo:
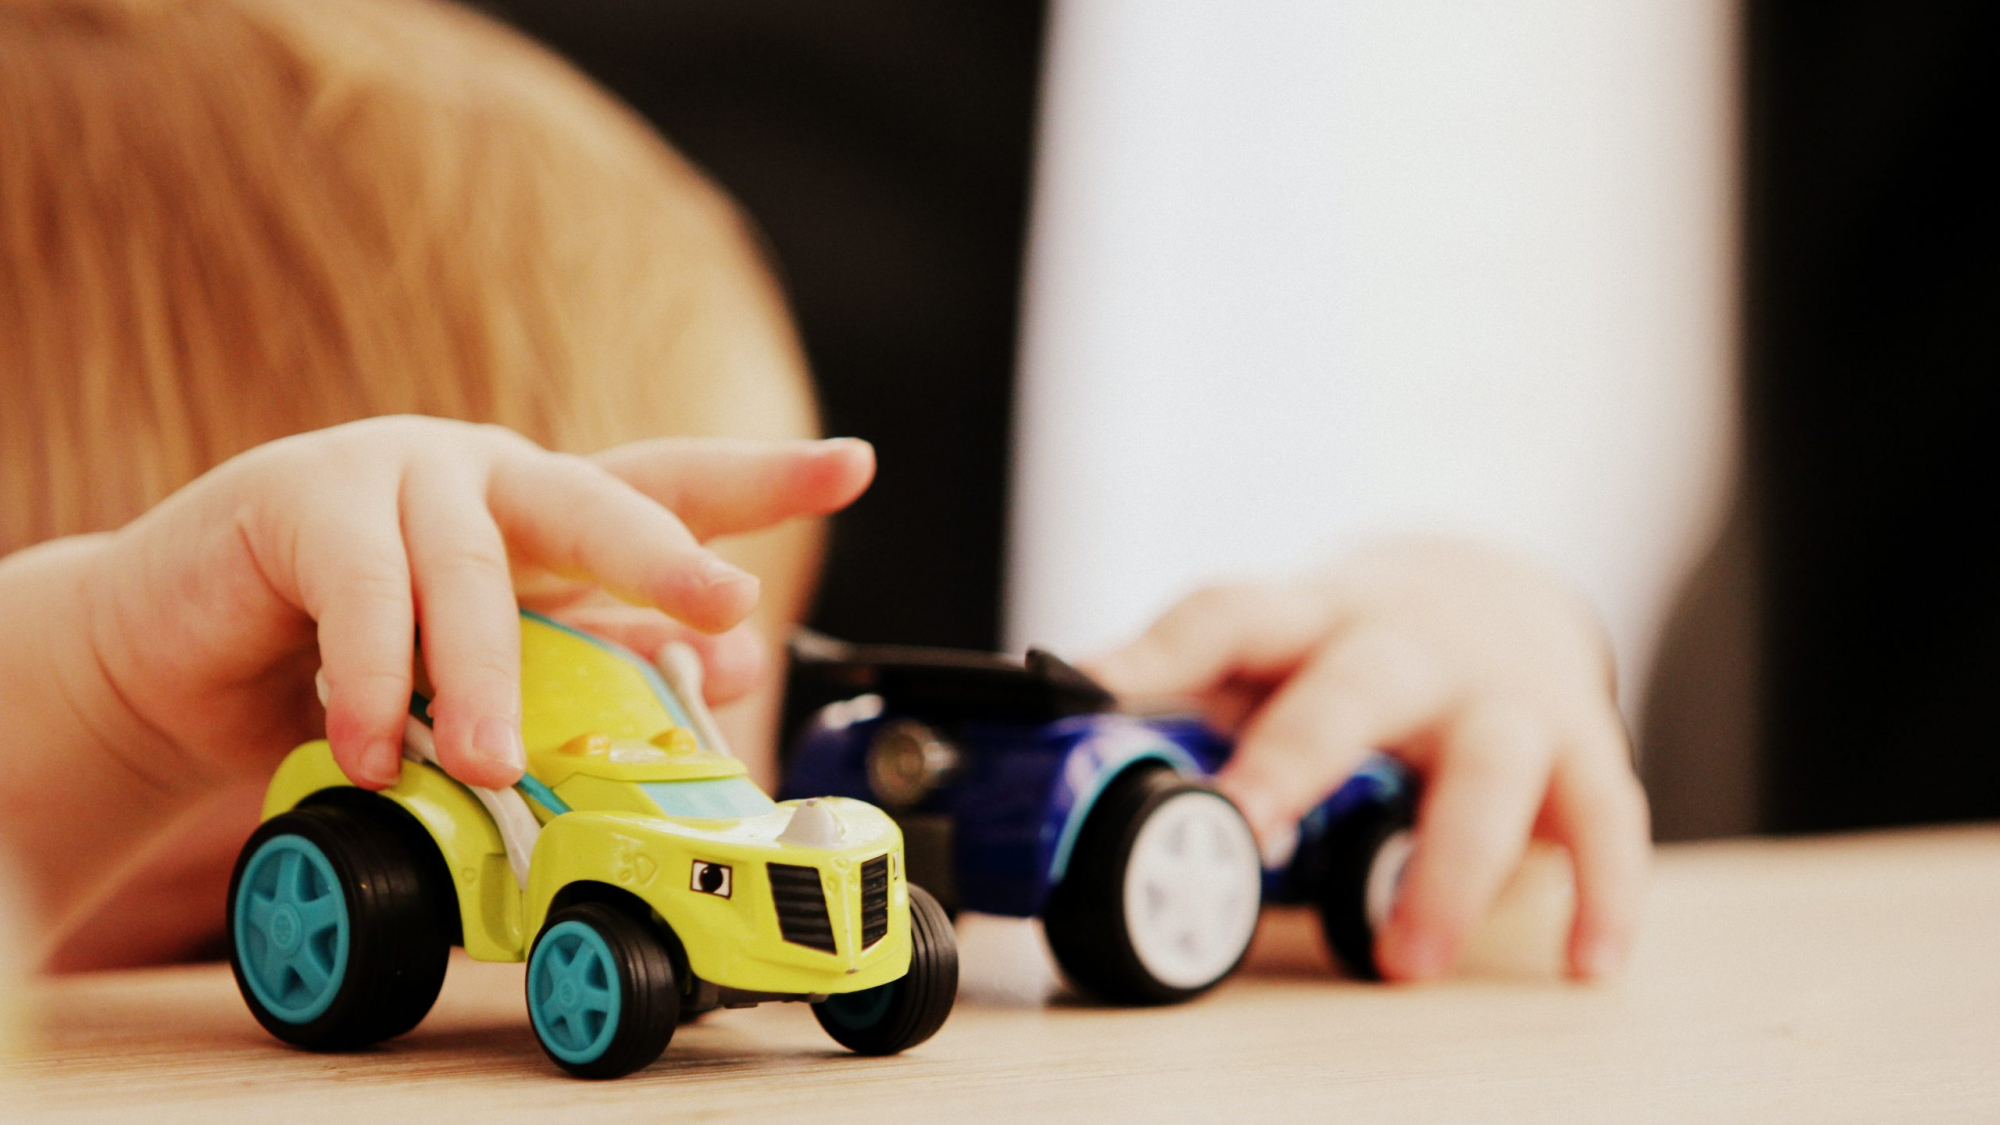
[1475, 669]
[209, 613]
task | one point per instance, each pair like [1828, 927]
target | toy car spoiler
[948, 684]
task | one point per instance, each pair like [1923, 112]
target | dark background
[884, 145]
[1872, 344]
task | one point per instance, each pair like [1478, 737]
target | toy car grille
[874, 900]
[801, 904]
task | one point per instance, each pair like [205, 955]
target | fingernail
[1262, 813]
[1416, 956]
[1277, 846]
[382, 761]
[1602, 958]
[498, 740]
[1277, 833]
[715, 572]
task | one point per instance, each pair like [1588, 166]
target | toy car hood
[589, 706]
[671, 755]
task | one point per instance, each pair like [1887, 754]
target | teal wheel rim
[573, 992]
[291, 929]
[863, 1009]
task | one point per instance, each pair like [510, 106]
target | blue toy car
[1022, 791]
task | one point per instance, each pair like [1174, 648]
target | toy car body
[638, 871]
[1023, 792]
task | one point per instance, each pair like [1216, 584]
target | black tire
[1085, 917]
[1343, 860]
[400, 909]
[646, 986]
[894, 1017]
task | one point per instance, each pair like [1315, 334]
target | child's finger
[1600, 811]
[471, 636]
[355, 580]
[1250, 628]
[721, 486]
[732, 662]
[572, 516]
[1367, 688]
[1479, 804]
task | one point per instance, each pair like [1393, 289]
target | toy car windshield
[724, 798]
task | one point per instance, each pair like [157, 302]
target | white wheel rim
[1193, 884]
[1385, 876]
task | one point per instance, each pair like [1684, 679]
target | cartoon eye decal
[710, 878]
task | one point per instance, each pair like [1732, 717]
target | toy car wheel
[1362, 857]
[1161, 896]
[337, 932]
[899, 1015]
[602, 993]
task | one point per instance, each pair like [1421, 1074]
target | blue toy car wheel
[1351, 874]
[602, 992]
[291, 928]
[573, 992]
[894, 1017]
[337, 923]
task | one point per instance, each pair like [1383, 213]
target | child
[223, 222]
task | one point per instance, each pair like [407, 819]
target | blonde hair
[224, 221]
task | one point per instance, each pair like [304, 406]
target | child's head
[223, 221]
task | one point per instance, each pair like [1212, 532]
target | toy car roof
[950, 684]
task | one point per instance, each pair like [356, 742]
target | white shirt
[1304, 272]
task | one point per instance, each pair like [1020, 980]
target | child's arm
[73, 804]
[1477, 670]
[142, 669]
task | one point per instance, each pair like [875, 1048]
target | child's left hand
[1480, 672]
[332, 547]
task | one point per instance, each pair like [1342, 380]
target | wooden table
[1854, 978]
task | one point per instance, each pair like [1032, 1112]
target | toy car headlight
[906, 761]
[710, 878]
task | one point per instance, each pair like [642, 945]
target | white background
[1304, 272]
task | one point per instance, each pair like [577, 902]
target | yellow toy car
[637, 871]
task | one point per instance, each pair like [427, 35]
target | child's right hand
[333, 548]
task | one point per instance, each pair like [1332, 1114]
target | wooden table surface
[1852, 978]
